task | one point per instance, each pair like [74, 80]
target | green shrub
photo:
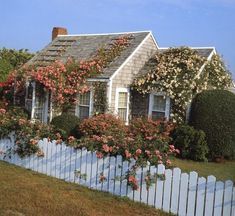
[213, 112]
[191, 143]
[67, 125]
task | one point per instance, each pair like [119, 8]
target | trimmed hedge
[213, 111]
[191, 143]
[67, 125]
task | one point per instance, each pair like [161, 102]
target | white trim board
[167, 110]
[126, 90]
[154, 40]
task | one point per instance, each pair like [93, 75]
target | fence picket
[144, 191]
[233, 203]
[118, 173]
[57, 160]
[152, 188]
[40, 158]
[138, 192]
[111, 176]
[175, 190]
[94, 170]
[100, 169]
[83, 167]
[106, 174]
[201, 192]
[88, 168]
[68, 163]
[167, 191]
[210, 192]
[219, 189]
[49, 159]
[124, 180]
[227, 198]
[32, 164]
[2, 141]
[53, 159]
[62, 161]
[160, 184]
[192, 193]
[183, 194]
[72, 165]
[44, 160]
[77, 169]
[130, 191]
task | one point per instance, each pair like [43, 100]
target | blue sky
[28, 23]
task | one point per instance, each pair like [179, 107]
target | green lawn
[222, 171]
[24, 192]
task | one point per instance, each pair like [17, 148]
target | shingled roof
[151, 63]
[84, 47]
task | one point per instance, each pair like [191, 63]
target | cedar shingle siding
[125, 76]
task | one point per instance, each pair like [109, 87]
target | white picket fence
[179, 193]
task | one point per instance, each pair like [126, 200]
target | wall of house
[125, 76]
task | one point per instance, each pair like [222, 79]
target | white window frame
[45, 105]
[167, 109]
[122, 90]
[90, 105]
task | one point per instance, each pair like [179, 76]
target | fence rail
[178, 193]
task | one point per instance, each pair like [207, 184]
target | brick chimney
[58, 31]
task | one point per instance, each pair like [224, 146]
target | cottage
[117, 76]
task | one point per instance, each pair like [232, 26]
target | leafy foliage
[176, 72]
[213, 112]
[100, 97]
[67, 124]
[12, 59]
[191, 143]
[27, 134]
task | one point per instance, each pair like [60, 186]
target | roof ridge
[111, 33]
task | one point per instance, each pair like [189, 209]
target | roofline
[192, 48]
[114, 33]
[130, 56]
[204, 65]
[154, 40]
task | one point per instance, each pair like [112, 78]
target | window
[36, 101]
[84, 105]
[122, 102]
[159, 106]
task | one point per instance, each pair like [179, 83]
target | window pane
[157, 115]
[122, 113]
[84, 99]
[159, 103]
[122, 100]
[83, 112]
[39, 108]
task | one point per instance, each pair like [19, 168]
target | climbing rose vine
[66, 80]
[176, 72]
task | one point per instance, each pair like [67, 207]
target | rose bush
[26, 133]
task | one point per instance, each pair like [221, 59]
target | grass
[24, 192]
[222, 171]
